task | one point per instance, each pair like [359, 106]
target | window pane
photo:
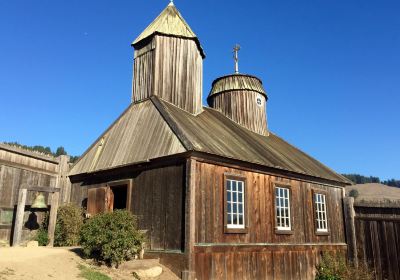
[240, 208]
[229, 208]
[228, 196]
[235, 219]
[241, 219]
[234, 208]
[240, 199]
[234, 199]
[233, 185]
[229, 219]
[240, 186]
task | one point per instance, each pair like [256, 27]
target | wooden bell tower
[168, 62]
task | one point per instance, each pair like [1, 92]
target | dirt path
[39, 263]
[42, 263]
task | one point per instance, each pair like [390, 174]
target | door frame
[128, 183]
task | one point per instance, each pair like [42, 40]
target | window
[282, 209]
[235, 203]
[321, 223]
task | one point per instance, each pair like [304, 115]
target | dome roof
[237, 82]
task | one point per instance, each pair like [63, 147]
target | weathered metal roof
[171, 23]
[156, 128]
[237, 82]
[139, 134]
[211, 132]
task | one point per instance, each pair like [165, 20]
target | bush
[111, 237]
[68, 226]
[331, 268]
[42, 237]
[354, 193]
[335, 268]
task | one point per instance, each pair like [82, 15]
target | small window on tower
[259, 100]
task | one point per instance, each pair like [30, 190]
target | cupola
[168, 62]
[242, 98]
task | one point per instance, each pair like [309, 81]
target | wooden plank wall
[20, 168]
[156, 199]
[212, 261]
[171, 68]
[241, 107]
[378, 240]
[267, 263]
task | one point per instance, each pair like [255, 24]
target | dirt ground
[42, 263]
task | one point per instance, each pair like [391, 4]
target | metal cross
[236, 49]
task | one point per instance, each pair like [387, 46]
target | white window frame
[321, 218]
[232, 200]
[282, 195]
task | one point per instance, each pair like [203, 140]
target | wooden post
[19, 220]
[53, 217]
[190, 272]
[63, 183]
[349, 215]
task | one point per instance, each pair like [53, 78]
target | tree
[60, 151]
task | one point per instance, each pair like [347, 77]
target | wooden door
[97, 200]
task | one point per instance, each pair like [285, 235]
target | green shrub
[111, 237]
[331, 268]
[68, 226]
[335, 268]
[42, 237]
[354, 193]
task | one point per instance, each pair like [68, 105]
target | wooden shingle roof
[156, 128]
[171, 23]
[139, 134]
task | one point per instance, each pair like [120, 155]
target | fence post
[19, 220]
[349, 215]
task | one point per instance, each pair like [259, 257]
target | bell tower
[168, 62]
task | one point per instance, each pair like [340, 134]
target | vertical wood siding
[20, 168]
[220, 254]
[378, 240]
[171, 68]
[241, 107]
[156, 199]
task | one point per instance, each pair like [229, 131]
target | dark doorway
[120, 196]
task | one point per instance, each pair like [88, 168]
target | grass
[91, 274]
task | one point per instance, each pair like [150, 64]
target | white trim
[235, 207]
[321, 221]
[282, 206]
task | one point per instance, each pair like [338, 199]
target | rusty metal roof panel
[139, 134]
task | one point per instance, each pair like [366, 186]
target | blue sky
[331, 69]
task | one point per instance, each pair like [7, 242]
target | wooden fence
[373, 236]
[20, 168]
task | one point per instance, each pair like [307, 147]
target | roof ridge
[171, 123]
